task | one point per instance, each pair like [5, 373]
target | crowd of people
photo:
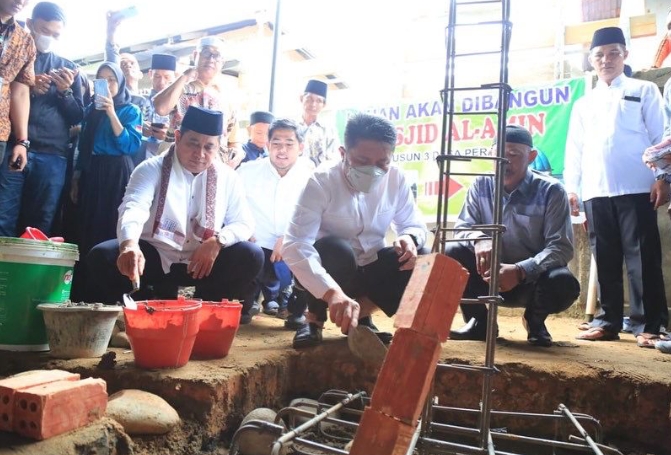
[159, 193]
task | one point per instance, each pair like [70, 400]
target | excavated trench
[632, 402]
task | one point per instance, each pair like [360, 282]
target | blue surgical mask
[363, 178]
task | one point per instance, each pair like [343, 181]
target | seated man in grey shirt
[536, 245]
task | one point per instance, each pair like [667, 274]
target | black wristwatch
[25, 143]
[67, 92]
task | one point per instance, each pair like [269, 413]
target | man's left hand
[203, 259]
[19, 158]
[509, 277]
[659, 193]
[407, 252]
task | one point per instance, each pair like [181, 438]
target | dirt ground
[626, 387]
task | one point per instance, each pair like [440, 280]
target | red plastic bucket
[162, 332]
[219, 322]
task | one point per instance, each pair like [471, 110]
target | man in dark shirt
[257, 145]
[536, 245]
[32, 197]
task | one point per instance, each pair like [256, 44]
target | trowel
[128, 301]
[366, 345]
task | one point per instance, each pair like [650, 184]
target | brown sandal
[598, 334]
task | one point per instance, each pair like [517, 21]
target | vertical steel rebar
[492, 326]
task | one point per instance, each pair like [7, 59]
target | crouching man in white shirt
[273, 185]
[335, 244]
[184, 221]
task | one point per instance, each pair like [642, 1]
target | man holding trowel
[183, 221]
[335, 244]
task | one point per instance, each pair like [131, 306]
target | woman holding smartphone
[111, 134]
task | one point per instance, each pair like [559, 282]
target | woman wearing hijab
[111, 135]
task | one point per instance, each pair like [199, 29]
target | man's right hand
[190, 74]
[343, 311]
[483, 256]
[130, 261]
[574, 204]
[42, 84]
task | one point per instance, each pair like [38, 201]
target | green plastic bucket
[31, 272]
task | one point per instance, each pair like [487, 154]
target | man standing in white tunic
[272, 186]
[610, 128]
[184, 221]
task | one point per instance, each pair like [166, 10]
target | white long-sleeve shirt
[271, 197]
[329, 207]
[138, 209]
[610, 128]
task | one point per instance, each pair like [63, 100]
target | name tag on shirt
[636, 99]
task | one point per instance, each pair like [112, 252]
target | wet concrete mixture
[626, 387]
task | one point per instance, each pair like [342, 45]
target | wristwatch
[65, 93]
[24, 142]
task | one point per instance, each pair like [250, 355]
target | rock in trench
[141, 412]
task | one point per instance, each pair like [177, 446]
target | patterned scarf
[170, 223]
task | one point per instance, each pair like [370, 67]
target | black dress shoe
[385, 337]
[537, 333]
[472, 330]
[307, 335]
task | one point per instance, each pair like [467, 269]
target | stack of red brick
[45, 403]
[424, 319]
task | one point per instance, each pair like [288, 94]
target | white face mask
[43, 43]
[363, 178]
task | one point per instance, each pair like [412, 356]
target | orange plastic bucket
[219, 322]
[162, 332]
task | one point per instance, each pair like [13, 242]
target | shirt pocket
[629, 115]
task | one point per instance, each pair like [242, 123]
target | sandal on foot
[646, 340]
[598, 334]
[584, 326]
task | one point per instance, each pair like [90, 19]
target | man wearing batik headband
[183, 221]
[321, 140]
[202, 86]
[536, 245]
[610, 128]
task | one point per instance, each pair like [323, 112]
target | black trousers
[381, 281]
[625, 228]
[232, 275]
[553, 292]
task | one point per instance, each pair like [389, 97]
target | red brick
[9, 386]
[48, 410]
[432, 296]
[379, 434]
[401, 392]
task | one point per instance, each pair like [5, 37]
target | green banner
[544, 110]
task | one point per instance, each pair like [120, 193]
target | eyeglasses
[209, 55]
[612, 55]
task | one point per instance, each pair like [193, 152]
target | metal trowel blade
[364, 344]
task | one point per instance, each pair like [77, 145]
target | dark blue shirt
[253, 152]
[52, 115]
[538, 235]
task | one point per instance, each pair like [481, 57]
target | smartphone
[159, 125]
[100, 87]
[125, 13]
